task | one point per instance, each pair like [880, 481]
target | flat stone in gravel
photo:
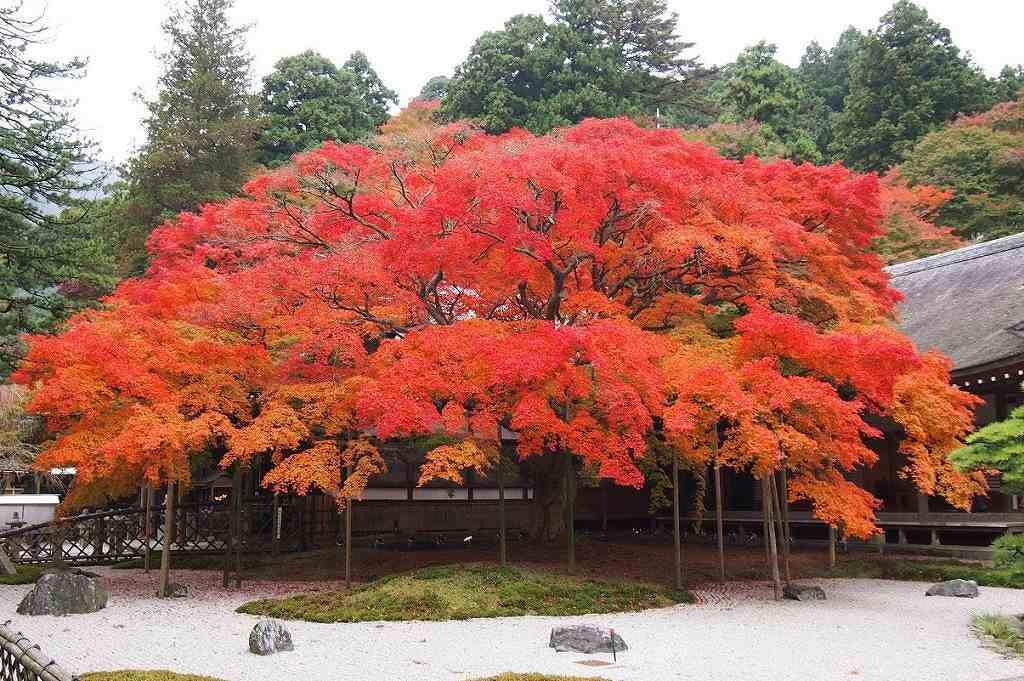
[585, 638]
[961, 588]
[269, 637]
[64, 593]
[803, 592]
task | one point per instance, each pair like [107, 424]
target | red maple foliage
[586, 289]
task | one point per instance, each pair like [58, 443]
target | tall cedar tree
[825, 75]
[595, 58]
[592, 290]
[200, 131]
[981, 159]
[907, 79]
[51, 262]
[307, 100]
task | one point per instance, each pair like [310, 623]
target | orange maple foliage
[586, 289]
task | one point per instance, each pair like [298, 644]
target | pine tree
[998, 446]
[201, 134]
[51, 262]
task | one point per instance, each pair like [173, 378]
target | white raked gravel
[868, 630]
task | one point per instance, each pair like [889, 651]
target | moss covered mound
[464, 591]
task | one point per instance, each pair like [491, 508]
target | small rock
[584, 638]
[64, 593]
[175, 590]
[803, 592]
[961, 588]
[269, 637]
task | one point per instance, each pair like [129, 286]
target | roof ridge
[964, 254]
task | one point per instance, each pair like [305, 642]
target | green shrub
[1008, 551]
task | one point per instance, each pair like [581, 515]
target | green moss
[137, 675]
[454, 592]
[27, 574]
[539, 677]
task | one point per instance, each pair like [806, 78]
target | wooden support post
[831, 547]
[570, 512]
[348, 533]
[165, 556]
[676, 533]
[719, 521]
[502, 520]
[766, 486]
[275, 526]
[147, 504]
[236, 493]
[780, 515]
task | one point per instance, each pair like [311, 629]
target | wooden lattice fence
[119, 535]
[20, 660]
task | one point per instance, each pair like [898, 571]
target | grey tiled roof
[967, 303]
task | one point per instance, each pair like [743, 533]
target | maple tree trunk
[719, 523]
[548, 517]
[569, 503]
[676, 534]
[165, 556]
[766, 487]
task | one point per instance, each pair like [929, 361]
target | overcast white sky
[408, 41]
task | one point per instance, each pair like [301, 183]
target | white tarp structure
[29, 509]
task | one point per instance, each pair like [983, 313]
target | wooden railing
[20, 660]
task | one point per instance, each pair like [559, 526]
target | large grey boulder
[65, 593]
[584, 638]
[803, 592]
[269, 637]
[961, 588]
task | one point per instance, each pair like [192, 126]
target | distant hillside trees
[981, 159]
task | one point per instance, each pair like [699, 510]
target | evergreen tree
[201, 134]
[907, 78]
[1010, 83]
[307, 100]
[51, 263]
[998, 446]
[595, 58]
[825, 76]
[760, 88]
[435, 88]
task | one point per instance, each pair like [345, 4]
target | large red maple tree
[589, 289]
